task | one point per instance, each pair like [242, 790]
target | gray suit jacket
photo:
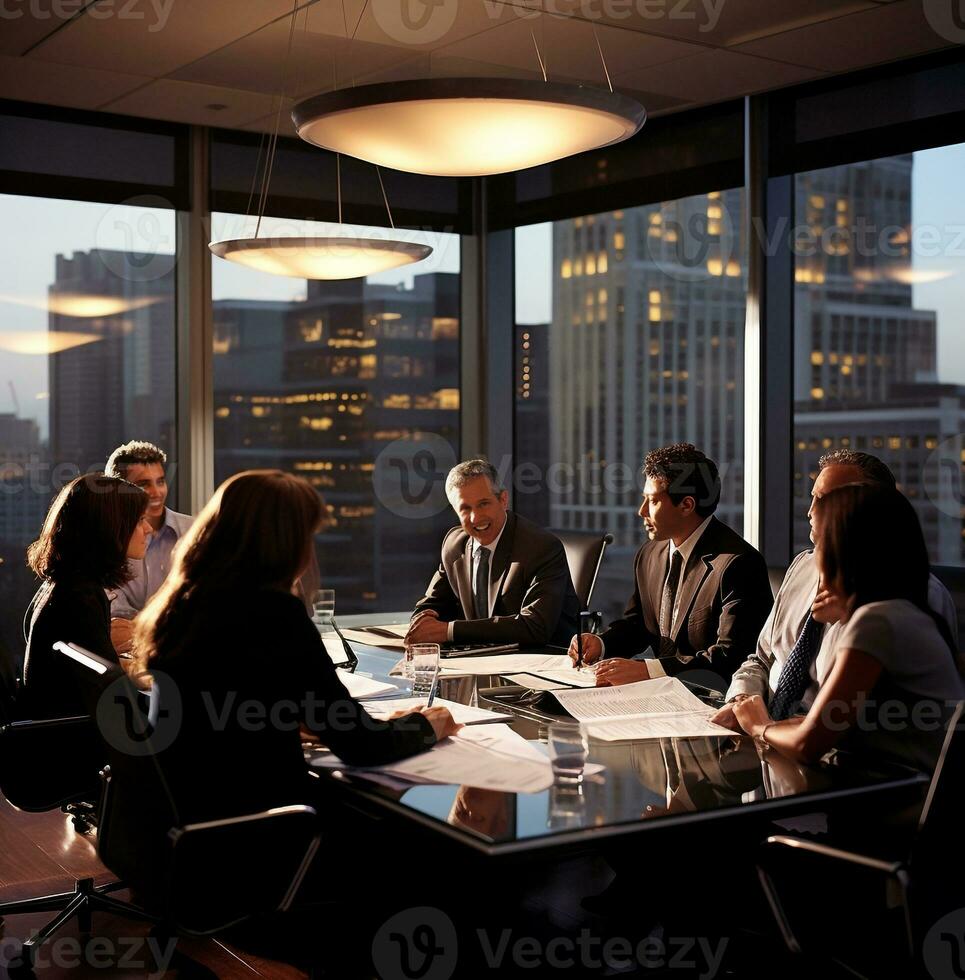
[531, 592]
[761, 671]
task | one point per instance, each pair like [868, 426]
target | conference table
[650, 791]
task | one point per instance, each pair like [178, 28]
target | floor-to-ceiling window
[629, 336]
[87, 359]
[880, 331]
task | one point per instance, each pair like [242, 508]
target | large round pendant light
[320, 258]
[466, 127]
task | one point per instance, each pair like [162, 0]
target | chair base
[85, 899]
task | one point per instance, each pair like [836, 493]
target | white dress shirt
[475, 549]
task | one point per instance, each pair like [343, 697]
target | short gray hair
[468, 470]
[872, 469]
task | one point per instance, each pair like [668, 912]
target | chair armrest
[30, 725]
[835, 854]
[891, 869]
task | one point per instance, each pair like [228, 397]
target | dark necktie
[670, 594]
[480, 591]
[795, 674]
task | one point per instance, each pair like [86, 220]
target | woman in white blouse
[895, 681]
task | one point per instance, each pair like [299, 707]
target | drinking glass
[568, 749]
[424, 658]
[323, 605]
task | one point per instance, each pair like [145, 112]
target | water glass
[323, 605]
[424, 658]
[568, 749]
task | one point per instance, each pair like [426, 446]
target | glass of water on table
[323, 605]
[423, 659]
[568, 748]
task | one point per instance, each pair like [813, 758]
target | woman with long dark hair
[894, 680]
[227, 634]
[95, 524]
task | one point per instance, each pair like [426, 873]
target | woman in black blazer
[241, 669]
[95, 524]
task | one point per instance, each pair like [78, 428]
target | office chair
[190, 875]
[584, 556]
[912, 884]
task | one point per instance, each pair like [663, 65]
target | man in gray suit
[794, 652]
[502, 579]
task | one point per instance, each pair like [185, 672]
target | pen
[432, 692]
[579, 649]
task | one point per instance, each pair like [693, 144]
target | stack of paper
[505, 663]
[462, 714]
[388, 637]
[658, 708]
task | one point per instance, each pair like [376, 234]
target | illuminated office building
[111, 359]
[360, 366]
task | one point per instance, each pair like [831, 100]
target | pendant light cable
[596, 37]
[539, 57]
[273, 143]
[385, 198]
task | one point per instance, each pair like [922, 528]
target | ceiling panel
[421, 27]
[192, 103]
[318, 61]
[714, 76]
[567, 46]
[705, 22]
[898, 30]
[63, 85]
[25, 24]
[154, 38]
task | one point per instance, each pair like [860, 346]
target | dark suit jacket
[76, 611]
[260, 648]
[535, 603]
[724, 597]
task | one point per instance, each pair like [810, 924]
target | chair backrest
[201, 878]
[49, 762]
[942, 803]
[584, 555]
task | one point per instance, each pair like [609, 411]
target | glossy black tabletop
[646, 785]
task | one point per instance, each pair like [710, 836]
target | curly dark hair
[132, 454]
[87, 531]
[873, 470]
[687, 472]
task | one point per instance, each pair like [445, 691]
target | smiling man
[142, 463]
[701, 592]
[502, 579]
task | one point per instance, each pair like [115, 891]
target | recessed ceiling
[223, 64]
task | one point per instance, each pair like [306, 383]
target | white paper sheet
[659, 708]
[463, 714]
[504, 663]
[361, 687]
[372, 639]
[569, 676]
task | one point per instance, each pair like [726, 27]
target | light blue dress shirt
[151, 570]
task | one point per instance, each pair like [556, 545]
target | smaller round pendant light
[323, 257]
[466, 127]
[320, 258]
